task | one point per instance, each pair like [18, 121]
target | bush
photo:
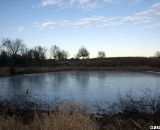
[67, 116]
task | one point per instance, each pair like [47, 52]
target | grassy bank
[29, 70]
[69, 116]
[96, 64]
[133, 113]
[58, 119]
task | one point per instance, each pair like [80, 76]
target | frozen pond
[87, 87]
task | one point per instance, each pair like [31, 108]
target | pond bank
[71, 116]
[4, 71]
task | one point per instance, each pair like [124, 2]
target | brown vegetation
[62, 119]
[133, 113]
[29, 70]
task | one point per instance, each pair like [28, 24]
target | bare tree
[64, 54]
[101, 54]
[82, 53]
[13, 48]
[58, 54]
[157, 54]
[41, 53]
[2, 43]
[54, 51]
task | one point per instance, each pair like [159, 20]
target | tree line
[15, 52]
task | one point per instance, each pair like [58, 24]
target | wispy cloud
[146, 15]
[123, 1]
[141, 17]
[20, 29]
[153, 26]
[51, 2]
[96, 21]
[67, 3]
[112, 1]
[82, 3]
[46, 25]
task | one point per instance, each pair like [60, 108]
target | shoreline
[126, 120]
[4, 71]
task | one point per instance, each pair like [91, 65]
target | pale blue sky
[118, 27]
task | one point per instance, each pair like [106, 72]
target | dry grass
[130, 124]
[4, 71]
[70, 116]
[27, 70]
[67, 117]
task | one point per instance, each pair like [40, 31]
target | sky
[118, 27]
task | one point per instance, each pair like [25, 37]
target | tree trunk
[13, 70]
[13, 66]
